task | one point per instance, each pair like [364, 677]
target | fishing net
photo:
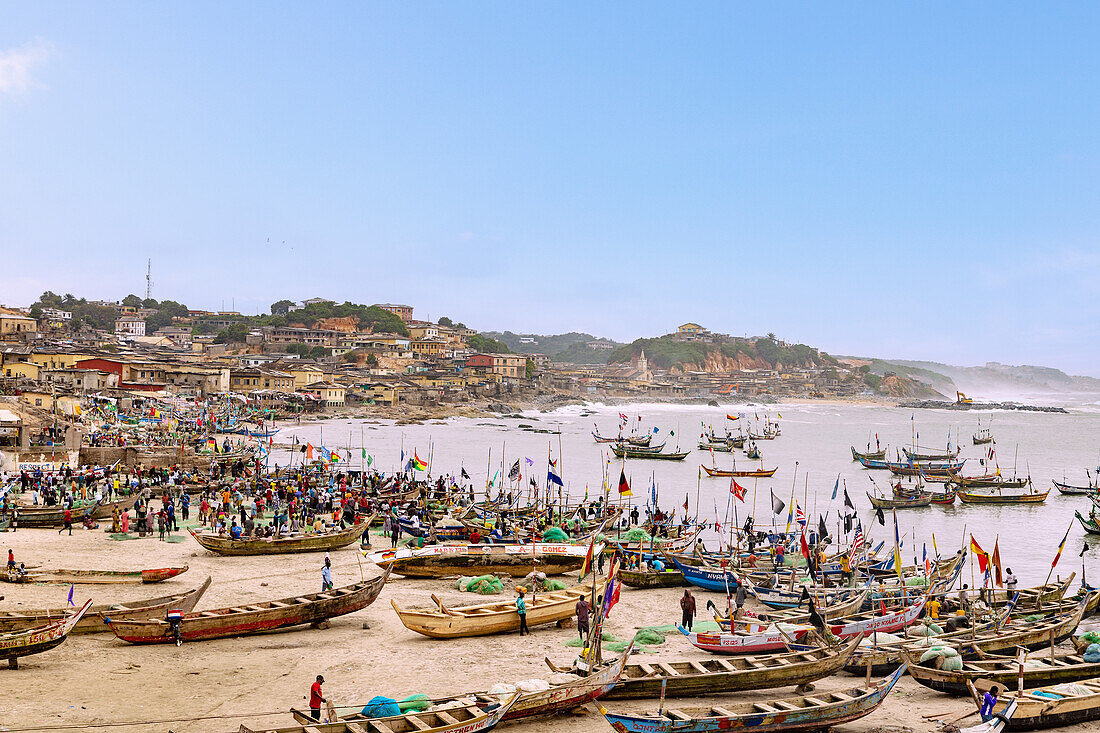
[649, 636]
[1092, 654]
[554, 584]
[938, 652]
[415, 703]
[1092, 637]
[381, 707]
[952, 664]
[925, 628]
[605, 637]
[636, 534]
[486, 585]
[555, 534]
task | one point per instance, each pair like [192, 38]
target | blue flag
[553, 478]
[836, 486]
[71, 595]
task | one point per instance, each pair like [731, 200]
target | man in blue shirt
[989, 701]
[521, 609]
[326, 575]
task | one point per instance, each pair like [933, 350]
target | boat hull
[283, 545]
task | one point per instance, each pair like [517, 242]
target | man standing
[521, 609]
[326, 575]
[582, 617]
[315, 698]
[1010, 581]
[687, 606]
[68, 525]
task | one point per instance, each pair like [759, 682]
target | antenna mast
[149, 279]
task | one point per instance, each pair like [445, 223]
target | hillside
[732, 354]
[563, 348]
[991, 381]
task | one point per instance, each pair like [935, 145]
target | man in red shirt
[68, 522]
[315, 698]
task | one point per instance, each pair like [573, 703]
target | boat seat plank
[814, 701]
[723, 712]
[418, 723]
[843, 696]
[354, 727]
[647, 669]
[699, 668]
[765, 707]
[381, 727]
[786, 705]
[677, 714]
[447, 717]
[668, 670]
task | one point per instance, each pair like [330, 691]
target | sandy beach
[92, 680]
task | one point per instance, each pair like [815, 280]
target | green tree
[371, 361]
[148, 303]
[318, 352]
[530, 371]
[281, 307]
[445, 321]
[132, 300]
[36, 311]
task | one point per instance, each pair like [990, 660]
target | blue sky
[916, 181]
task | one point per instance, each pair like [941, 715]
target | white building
[129, 326]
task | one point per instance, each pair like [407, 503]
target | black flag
[533, 482]
[847, 523]
[880, 517]
[777, 505]
[848, 502]
[822, 532]
[513, 472]
[464, 474]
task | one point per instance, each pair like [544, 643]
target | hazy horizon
[902, 183]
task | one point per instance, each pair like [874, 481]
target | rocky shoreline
[942, 405]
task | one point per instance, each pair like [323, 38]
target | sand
[96, 679]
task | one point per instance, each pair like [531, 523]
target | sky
[907, 181]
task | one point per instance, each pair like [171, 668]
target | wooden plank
[418, 723]
[786, 705]
[699, 668]
[723, 712]
[765, 707]
[447, 717]
[677, 714]
[668, 670]
[380, 726]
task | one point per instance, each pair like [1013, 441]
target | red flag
[586, 567]
[983, 556]
[805, 545]
[1061, 547]
[309, 451]
[997, 563]
[737, 489]
[685, 503]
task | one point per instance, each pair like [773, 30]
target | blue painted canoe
[708, 578]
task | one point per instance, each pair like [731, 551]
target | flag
[731, 417]
[805, 545]
[364, 454]
[417, 464]
[611, 595]
[624, 487]
[927, 562]
[822, 530]
[737, 489]
[835, 487]
[857, 541]
[513, 472]
[370, 460]
[553, 478]
[685, 502]
[1061, 547]
[983, 557]
[848, 502]
[778, 415]
[464, 474]
[934, 548]
[995, 560]
[529, 461]
[71, 595]
[777, 504]
[623, 417]
[800, 516]
[309, 451]
[897, 545]
[880, 517]
[586, 566]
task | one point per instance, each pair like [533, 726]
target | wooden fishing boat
[944, 455]
[982, 437]
[780, 598]
[88, 577]
[469, 718]
[626, 451]
[51, 516]
[559, 698]
[1091, 525]
[254, 617]
[668, 578]
[92, 622]
[691, 678]
[994, 481]
[810, 712]
[750, 622]
[15, 644]
[716, 447]
[1072, 490]
[438, 561]
[638, 440]
[1029, 598]
[872, 463]
[1032, 497]
[977, 642]
[947, 498]
[753, 453]
[633, 451]
[879, 502]
[224, 545]
[751, 473]
[106, 509]
[873, 455]
[1054, 706]
[499, 617]
[1041, 668]
[921, 468]
[709, 577]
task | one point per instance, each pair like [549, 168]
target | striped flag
[857, 541]
[800, 516]
[1061, 547]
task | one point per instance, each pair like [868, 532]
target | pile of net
[555, 534]
[384, 707]
[943, 657]
[879, 639]
[635, 534]
[1092, 637]
[648, 636]
[486, 585]
[554, 584]
[1092, 654]
[604, 637]
[927, 627]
